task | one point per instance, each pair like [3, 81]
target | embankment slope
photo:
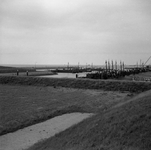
[107, 85]
[124, 127]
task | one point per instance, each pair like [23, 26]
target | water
[24, 138]
[66, 75]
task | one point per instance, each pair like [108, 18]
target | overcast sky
[84, 31]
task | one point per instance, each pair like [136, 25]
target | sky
[74, 31]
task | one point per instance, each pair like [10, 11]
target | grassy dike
[127, 126]
[122, 120]
[107, 85]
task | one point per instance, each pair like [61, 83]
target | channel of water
[66, 75]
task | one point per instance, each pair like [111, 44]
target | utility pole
[78, 67]
[86, 66]
[68, 66]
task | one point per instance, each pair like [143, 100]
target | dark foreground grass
[120, 123]
[107, 85]
[126, 126]
[21, 106]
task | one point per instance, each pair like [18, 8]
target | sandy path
[24, 138]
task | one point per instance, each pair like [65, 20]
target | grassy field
[107, 85]
[21, 106]
[5, 69]
[146, 75]
[122, 108]
[12, 71]
[140, 76]
[30, 73]
[125, 126]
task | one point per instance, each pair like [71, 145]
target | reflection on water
[66, 75]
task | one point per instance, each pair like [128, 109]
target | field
[127, 126]
[146, 76]
[25, 105]
[5, 69]
[30, 73]
[12, 71]
[122, 111]
[107, 85]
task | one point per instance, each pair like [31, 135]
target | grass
[5, 69]
[30, 73]
[141, 76]
[22, 106]
[126, 126]
[122, 108]
[146, 74]
[107, 85]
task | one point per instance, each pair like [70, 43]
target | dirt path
[23, 139]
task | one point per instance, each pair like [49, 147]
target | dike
[107, 85]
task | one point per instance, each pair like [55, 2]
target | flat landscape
[25, 105]
[75, 75]
[127, 126]
[121, 120]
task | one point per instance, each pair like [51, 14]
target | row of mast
[111, 66]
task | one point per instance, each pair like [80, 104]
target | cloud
[105, 28]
